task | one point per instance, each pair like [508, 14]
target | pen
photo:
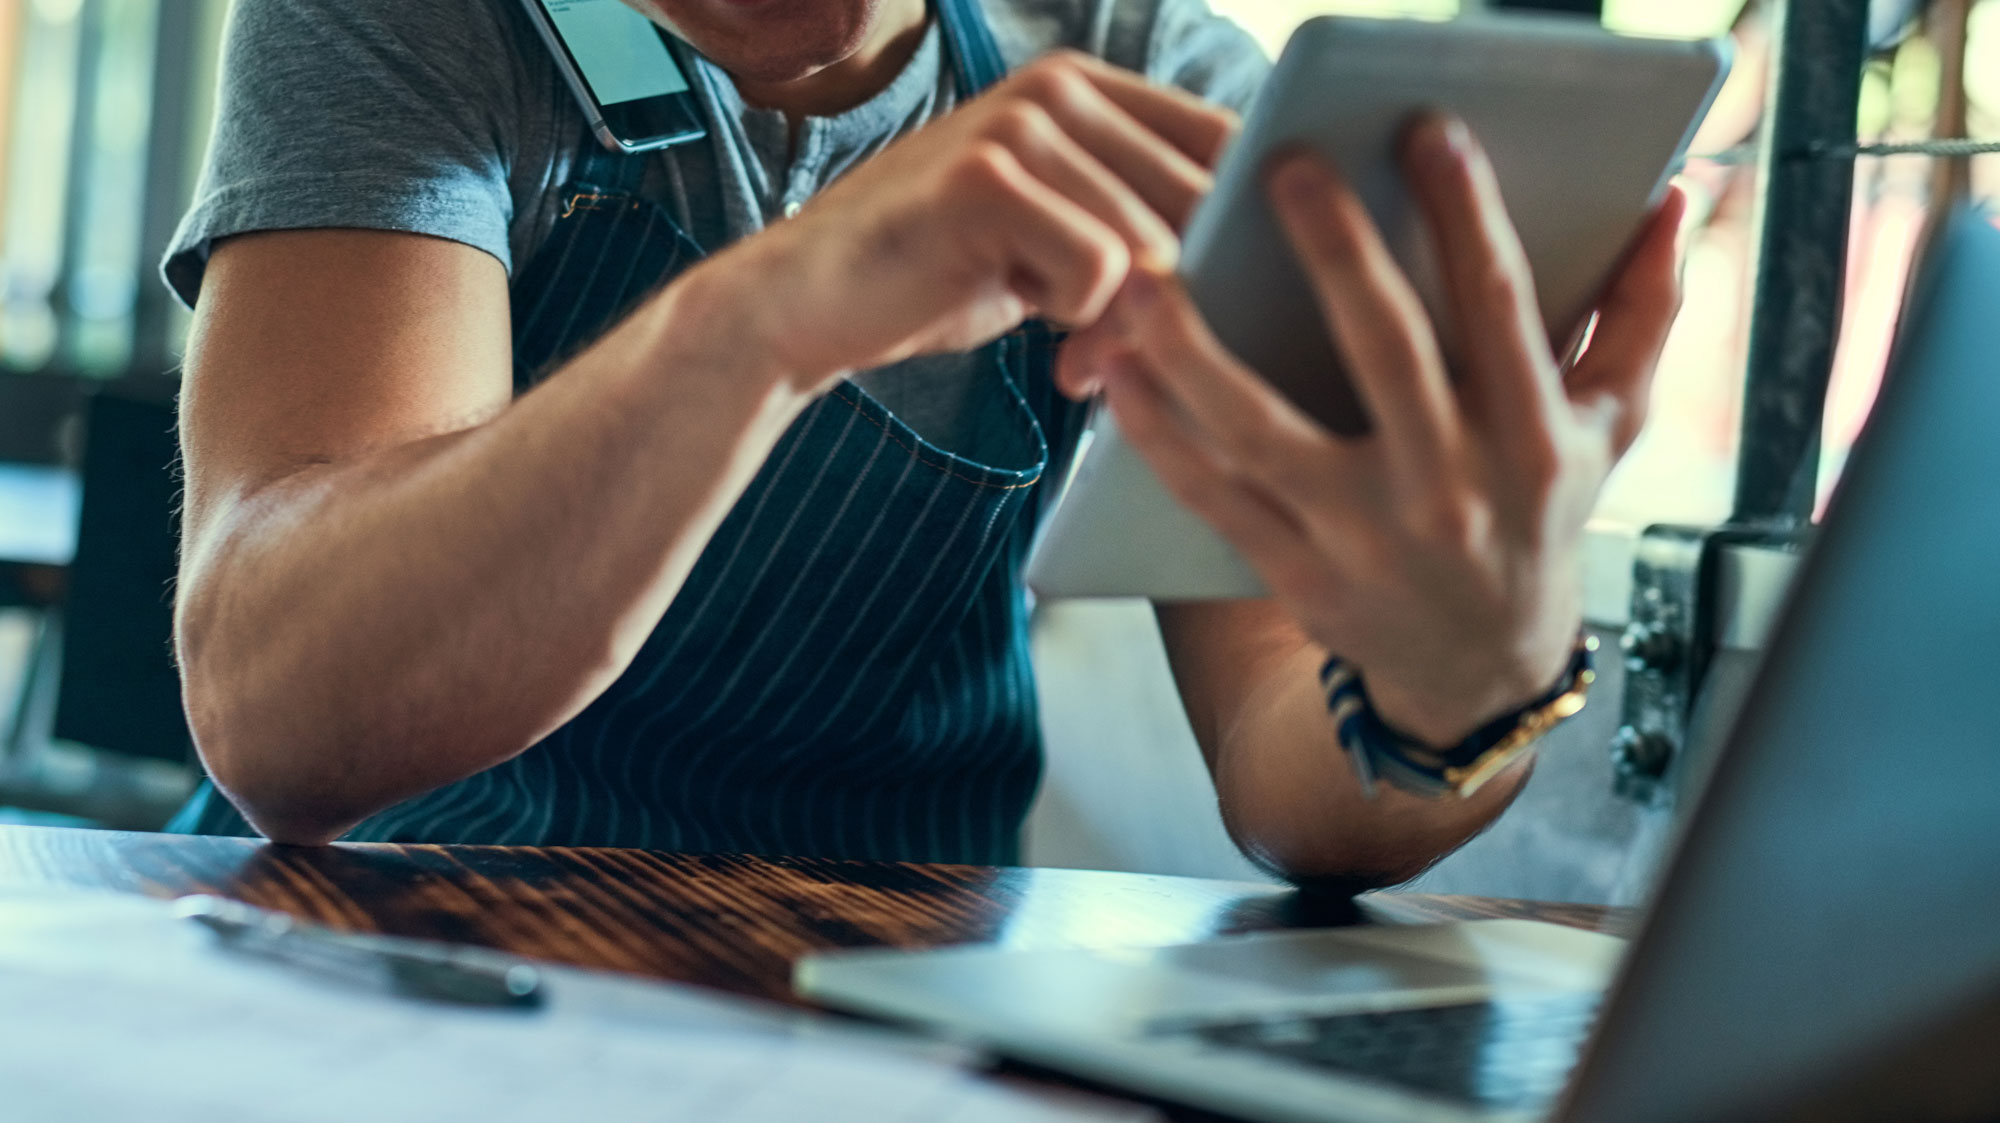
[440, 974]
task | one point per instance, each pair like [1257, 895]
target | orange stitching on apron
[593, 202]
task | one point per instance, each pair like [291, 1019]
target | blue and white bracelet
[1379, 751]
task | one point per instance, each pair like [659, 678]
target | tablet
[1584, 128]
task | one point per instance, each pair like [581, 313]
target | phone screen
[618, 50]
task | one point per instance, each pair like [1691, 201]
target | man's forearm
[1292, 800]
[382, 623]
[357, 633]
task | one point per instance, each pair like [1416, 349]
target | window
[1683, 469]
[105, 106]
[104, 109]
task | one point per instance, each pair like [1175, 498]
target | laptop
[1826, 933]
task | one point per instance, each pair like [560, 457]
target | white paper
[111, 1008]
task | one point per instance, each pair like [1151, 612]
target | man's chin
[768, 41]
[767, 68]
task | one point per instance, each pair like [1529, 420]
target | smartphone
[1585, 129]
[617, 63]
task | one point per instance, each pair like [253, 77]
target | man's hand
[1439, 554]
[1034, 200]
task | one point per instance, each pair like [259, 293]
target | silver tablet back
[1585, 128]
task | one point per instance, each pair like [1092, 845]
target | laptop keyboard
[1507, 1055]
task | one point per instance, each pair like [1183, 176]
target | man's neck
[854, 79]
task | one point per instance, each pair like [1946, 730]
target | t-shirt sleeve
[368, 114]
[1207, 54]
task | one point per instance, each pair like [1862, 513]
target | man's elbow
[259, 764]
[290, 832]
[282, 807]
[266, 780]
[1330, 856]
[279, 812]
[1337, 869]
[1356, 845]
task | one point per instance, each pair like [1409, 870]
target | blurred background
[104, 111]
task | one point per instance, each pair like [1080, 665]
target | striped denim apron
[845, 672]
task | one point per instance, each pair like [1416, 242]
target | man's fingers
[1250, 428]
[1148, 163]
[1199, 129]
[1059, 257]
[1379, 325]
[1503, 351]
[1614, 377]
[1254, 522]
[1049, 153]
[1170, 181]
[1084, 357]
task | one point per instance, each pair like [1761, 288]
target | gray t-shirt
[448, 118]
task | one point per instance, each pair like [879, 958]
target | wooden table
[730, 922]
[734, 923]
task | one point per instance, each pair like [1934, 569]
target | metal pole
[1802, 223]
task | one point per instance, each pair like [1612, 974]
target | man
[740, 572]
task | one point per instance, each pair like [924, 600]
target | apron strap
[615, 173]
[974, 53]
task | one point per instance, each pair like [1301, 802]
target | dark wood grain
[736, 923]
